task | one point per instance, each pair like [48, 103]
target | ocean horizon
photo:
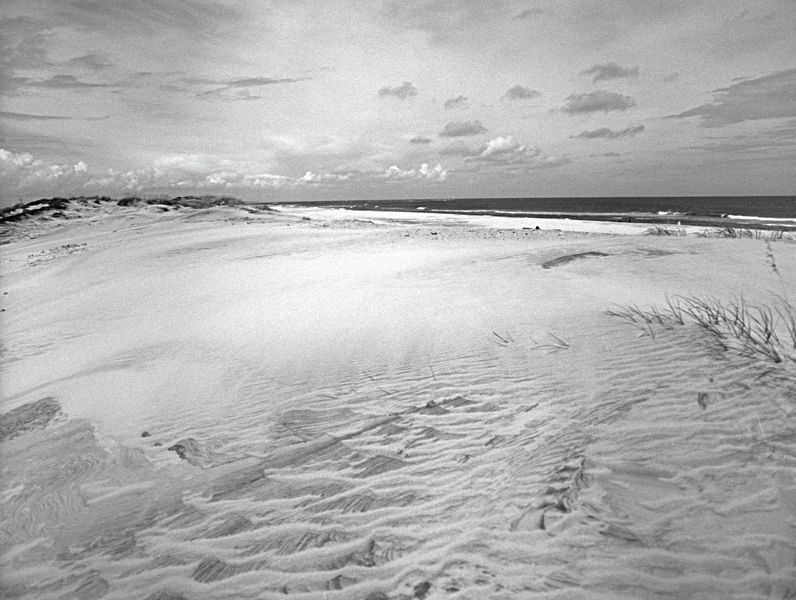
[758, 211]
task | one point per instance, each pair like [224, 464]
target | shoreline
[420, 211]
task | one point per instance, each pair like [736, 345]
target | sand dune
[386, 409]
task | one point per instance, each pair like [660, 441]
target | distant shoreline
[678, 212]
[774, 213]
[639, 218]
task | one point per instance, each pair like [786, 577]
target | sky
[333, 99]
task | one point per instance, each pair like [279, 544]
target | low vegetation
[50, 205]
[757, 234]
[663, 230]
[760, 331]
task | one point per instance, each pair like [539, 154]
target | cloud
[779, 142]
[520, 92]
[528, 14]
[43, 35]
[457, 102]
[64, 82]
[419, 139]
[10, 85]
[403, 91]
[507, 152]
[23, 44]
[443, 20]
[424, 173]
[458, 150]
[610, 71]
[258, 81]
[93, 62]
[237, 89]
[462, 129]
[772, 96]
[672, 77]
[201, 18]
[26, 117]
[599, 101]
[392, 174]
[504, 149]
[22, 174]
[13, 116]
[610, 134]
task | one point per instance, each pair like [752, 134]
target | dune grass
[663, 230]
[756, 234]
[752, 330]
[725, 232]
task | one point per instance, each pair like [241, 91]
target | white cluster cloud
[23, 174]
[393, 173]
[424, 173]
[509, 153]
[505, 150]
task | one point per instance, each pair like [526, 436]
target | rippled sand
[384, 410]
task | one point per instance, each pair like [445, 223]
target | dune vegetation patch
[751, 330]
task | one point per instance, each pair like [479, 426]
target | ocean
[769, 212]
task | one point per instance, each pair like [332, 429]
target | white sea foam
[772, 219]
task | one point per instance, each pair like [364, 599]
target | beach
[240, 402]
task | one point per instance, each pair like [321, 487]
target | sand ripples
[651, 467]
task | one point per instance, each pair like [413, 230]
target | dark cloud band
[599, 101]
[610, 71]
[772, 96]
[610, 134]
[462, 129]
[403, 91]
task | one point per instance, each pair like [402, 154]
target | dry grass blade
[788, 315]
[501, 340]
[750, 330]
[556, 346]
[635, 317]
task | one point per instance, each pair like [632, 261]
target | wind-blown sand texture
[384, 410]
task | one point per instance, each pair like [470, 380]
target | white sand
[395, 409]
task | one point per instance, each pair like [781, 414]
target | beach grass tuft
[663, 230]
[756, 234]
[760, 331]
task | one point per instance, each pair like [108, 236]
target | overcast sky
[321, 99]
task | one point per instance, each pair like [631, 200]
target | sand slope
[389, 410]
